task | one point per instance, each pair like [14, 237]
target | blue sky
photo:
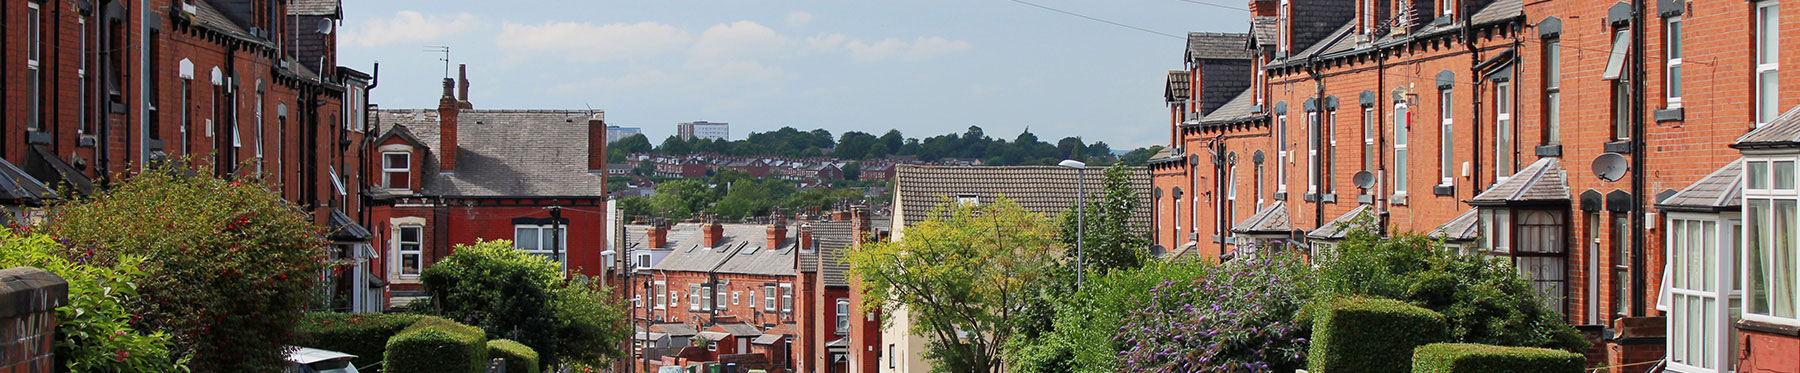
[925, 67]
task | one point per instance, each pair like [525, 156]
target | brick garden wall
[28, 301]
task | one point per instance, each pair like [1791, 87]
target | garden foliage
[1354, 334]
[1238, 317]
[435, 345]
[229, 266]
[1479, 358]
[94, 331]
[519, 359]
[1080, 335]
[362, 334]
[514, 295]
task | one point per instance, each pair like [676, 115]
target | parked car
[312, 360]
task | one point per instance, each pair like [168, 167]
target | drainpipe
[1318, 140]
[1637, 157]
[1468, 41]
[1381, 196]
[143, 85]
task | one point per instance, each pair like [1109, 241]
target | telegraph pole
[556, 238]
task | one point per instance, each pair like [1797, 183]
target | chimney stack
[597, 145]
[805, 237]
[777, 231]
[448, 109]
[859, 221]
[658, 234]
[1264, 8]
[712, 232]
[840, 215]
[462, 86]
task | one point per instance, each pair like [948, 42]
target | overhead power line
[1101, 20]
[1214, 5]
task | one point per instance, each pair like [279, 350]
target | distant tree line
[733, 194]
[1025, 149]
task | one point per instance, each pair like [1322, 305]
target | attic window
[967, 199]
[396, 170]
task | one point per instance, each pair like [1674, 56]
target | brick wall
[28, 318]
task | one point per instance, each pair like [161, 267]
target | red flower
[121, 354]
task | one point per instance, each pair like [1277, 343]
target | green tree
[514, 295]
[229, 266]
[961, 276]
[893, 139]
[644, 168]
[746, 198]
[634, 207]
[1111, 241]
[1139, 156]
[675, 146]
[853, 171]
[636, 143]
[681, 198]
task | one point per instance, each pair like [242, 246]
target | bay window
[1770, 209]
[1532, 239]
[1700, 295]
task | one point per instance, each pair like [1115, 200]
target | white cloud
[891, 48]
[740, 40]
[797, 19]
[825, 42]
[407, 26]
[588, 42]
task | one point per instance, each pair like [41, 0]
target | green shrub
[229, 265]
[435, 345]
[1480, 358]
[507, 292]
[519, 358]
[94, 331]
[362, 334]
[1369, 334]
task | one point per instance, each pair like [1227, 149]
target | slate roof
[342, 227]
[767, 339]
[1264, 30]
[1271, 219]
[207, 16]
[315, 8]
[1315, 21]
[16, 185]
[675, 329]
[741, 330]
[1338, 228]
[1719, 191]
[1498, 11]
[1218, 45]
[1176, 89]
[1336, 40]
[732, 255]
[712, 336]
[505, 153]
[833, 241]
[1040, 189]
[1240, 109]
[1783, 132]
[1542, 181]
[754, 259]
[1460, 229]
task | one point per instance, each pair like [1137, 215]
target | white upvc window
[663, 300]
[694, 292]
[34, 38]
[769, 295]
[1449, 7]
[1281, 153]
[1368, 138]
[81, 77]
[1402, 125]
[546, 240]
[410, 244]
[1771, 227]
[1282, 29]
[1700, 249]
[722, 288]
[1312, 152]
[1768, 61]
[1672, 62]
[643, 261]
[1446, 138]
[734, 297]
[1231, 184]
[706, 297]
[843, 315]
[1503, 131]
[750, 300]
[1553, 91]
[1329, 159]
[396, 170]
[787, 298]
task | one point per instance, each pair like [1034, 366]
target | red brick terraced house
[739, 278]
[457, 175]
[1636, 179]
[836, 333]
[97, 89]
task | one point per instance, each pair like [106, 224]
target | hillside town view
[1324, 186]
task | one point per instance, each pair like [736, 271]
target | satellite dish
[325, 26]
[1363, 179]
[1611, 166]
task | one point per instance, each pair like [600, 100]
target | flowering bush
[1236, 318]
[229, 266]
[1079, 335]
[94, 332]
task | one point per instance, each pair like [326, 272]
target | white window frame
[1672, 53]
[694, 292]
[769, 295]
[1282, 30]
[663, 296]
[706, 297]
[1312, 152]
[1449, 8]
[721, 291]
[417, 250]
[1766, 191]
[843, 315]
[787, 298]
[1446, 137]
[750, 299]
[1768, 63]
[388, 170]
[1716, 279]
[643, 261]
[1329, 160]
[1402, 124]
[1368, 138]
[1281, 153]
[541, 246]
[1503, 131]
[1231, 184]
[81, 76]
[1552, 91]
[34, 44]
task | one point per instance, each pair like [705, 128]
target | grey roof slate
[505, 153]
[1316, 20]
[689, 254]
[1217, 45]
[712, 335]
[1270, 219]
[1240, 109]
[210, 17]
[1782, 132]
[16, 185]
[1340, 227]
[1338, 39]
[1498, 11]
[1176, 88]
[315, 8]
[1460, 229]
[741, 329]
[1719, 191]
[1542, 181]
[833, 240]
[676, 329]
[767, 339]
[1040, 189]
[1221, 81]
[1264, 30]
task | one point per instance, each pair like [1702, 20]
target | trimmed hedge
[1480, 358]
[436, 345]
[519, 358]
[1370, 335]
[362, 334]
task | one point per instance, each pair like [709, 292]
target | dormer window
[396, 170]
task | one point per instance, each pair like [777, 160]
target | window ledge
[1328, 197]
[1311, 197]
[1621, 147]
[37, 137]
[1397, 198]
[1552, 150]
[1671, 115]
[86, 141]
[1443, 190]
[1769, 327]
[1280, 196]
[1365, 199]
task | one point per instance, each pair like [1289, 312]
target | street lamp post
[1080, 224]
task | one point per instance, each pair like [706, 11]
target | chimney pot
[597, 147]
[462, 86]
[448, 110]
[658, 235]
[777, 234]
[805, 237]
[713, 233]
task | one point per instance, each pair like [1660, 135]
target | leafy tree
[961, 276]
[911, 147]
[681, 198]
[746, 198]
[229, 266]
[893, 139]
[674, 146]
[644, 169]
[634, 207]
[853, 170]
[1139, 156]
[636, 143]
[1111, 241]
[877, 151]
[514, 295]
[1072, 148]
[94, 328]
